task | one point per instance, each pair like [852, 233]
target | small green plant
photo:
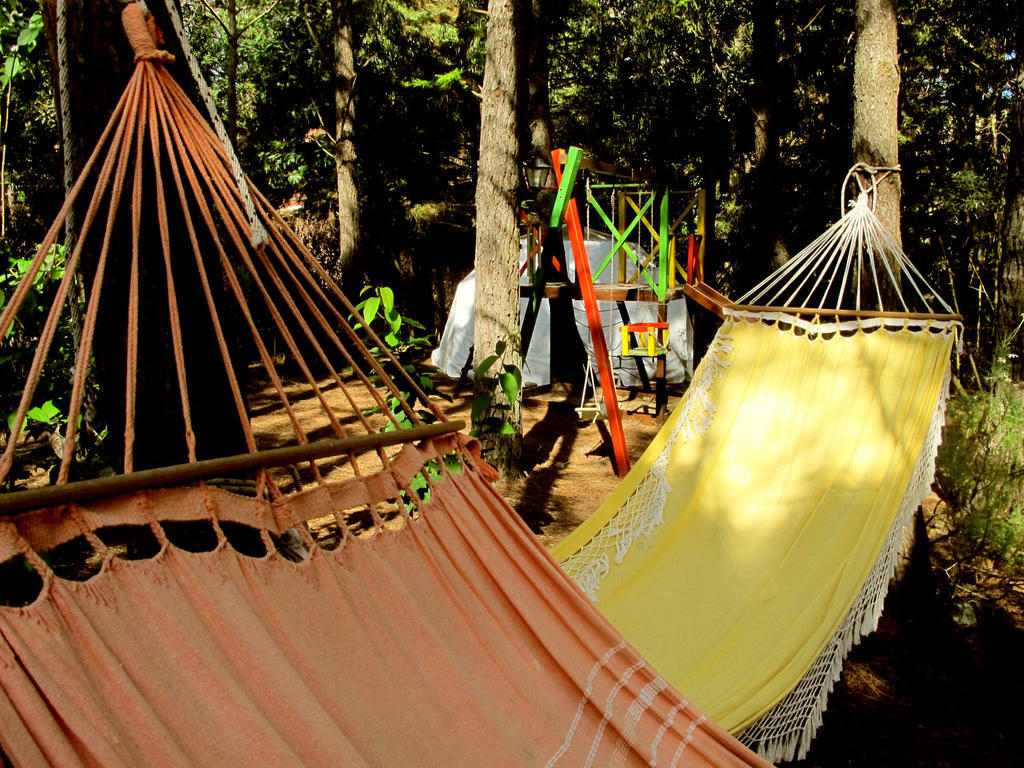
[25, 34]
[431, 472]
[42, 428]
[18, 345]
[408, 342]
[489, 415]
[980, 479]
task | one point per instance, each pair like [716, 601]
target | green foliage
[407, 341]
[980, 479]
[489, 413]
[18, 346]
[26, 123]
[25, 33]
[432, 472]
[48, 414]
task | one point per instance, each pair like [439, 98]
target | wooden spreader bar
[707, 297]
[86, 490]
[852, 314]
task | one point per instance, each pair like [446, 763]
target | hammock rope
[855, 247]
[258, 233]
[156, 130]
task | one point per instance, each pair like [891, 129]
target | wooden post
[663, 246]
[702, 209]
[620, 228]
[660, 374]
[583, 278]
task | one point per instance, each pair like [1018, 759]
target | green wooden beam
[572, 166]
[663, 244]
[620, 240]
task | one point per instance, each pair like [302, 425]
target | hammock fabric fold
[451, 639]
[736, 552]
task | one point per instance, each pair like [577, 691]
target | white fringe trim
[644, 510]
[815, 327]
[786, 732]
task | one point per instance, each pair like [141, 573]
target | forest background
[669, 85]
[751, 99]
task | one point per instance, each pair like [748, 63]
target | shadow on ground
[925, 690]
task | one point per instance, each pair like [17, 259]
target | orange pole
[604, 367]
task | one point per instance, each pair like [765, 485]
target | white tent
[453, 350]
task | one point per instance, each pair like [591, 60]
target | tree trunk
[1011, 308]
[100, 63]
[876, 88]
[496, 317]
[539, 107]
[714, 170]
[767, 211]
[347, 268]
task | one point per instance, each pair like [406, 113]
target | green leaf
[387, 296]
[10, 421]
[27, 36]
[499, 348]
[485, 366]
[480, 404]
[506, 429]
[509, 385]
[371, 305]
[45, 413]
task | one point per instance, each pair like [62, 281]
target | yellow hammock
[752, 543]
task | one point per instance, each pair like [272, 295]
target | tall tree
[876, 88]
[496, 317]
[344, 144]
[1012, 234]
[764, 61]
[234, 30]
[538, 117]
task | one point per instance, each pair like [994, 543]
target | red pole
[604, 366]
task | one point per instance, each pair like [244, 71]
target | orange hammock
[437, 633]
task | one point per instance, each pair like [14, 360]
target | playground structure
[568, 328]
[631, 206]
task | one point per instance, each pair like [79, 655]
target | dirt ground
[935, 686]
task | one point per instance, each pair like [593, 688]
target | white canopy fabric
[453, 350]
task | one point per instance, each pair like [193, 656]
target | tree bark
[876, 88]
[496, 316]
[1011, 306]
[347, 268]
[539, 107]
[768, 214]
